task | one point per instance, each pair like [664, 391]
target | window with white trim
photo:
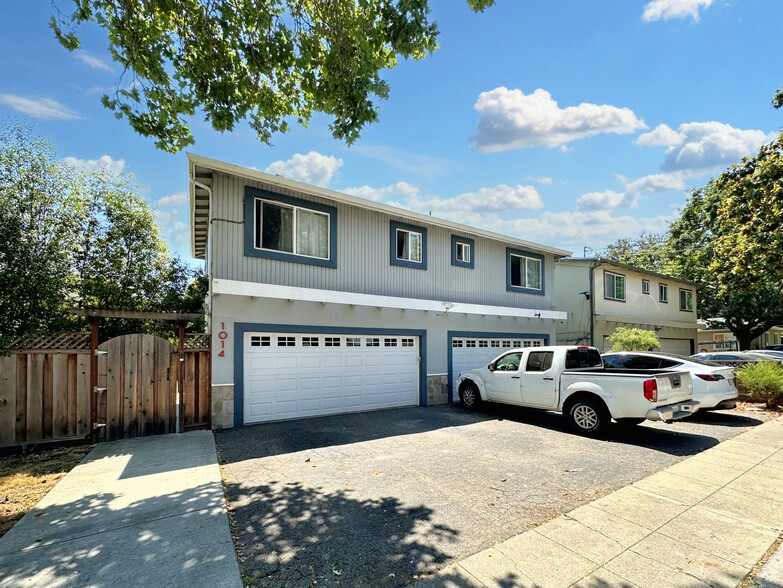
[409, 245]
[614, 286]
[291, 229]
[686, 300]
[663, 293]
[525, 272]
[463, 252]
[645, 286]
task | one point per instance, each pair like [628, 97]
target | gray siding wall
[363, 257]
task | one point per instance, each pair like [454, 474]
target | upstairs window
[289, 229]
[663, 292]
[645, 286]
[524, 272]
[462, 252]
[408, 246]
[614, 286]
[686, 300]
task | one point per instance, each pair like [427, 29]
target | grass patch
[25, 479]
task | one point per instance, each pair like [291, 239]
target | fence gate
[138, 380]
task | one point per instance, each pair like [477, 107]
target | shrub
[627, 339]
[763, 380]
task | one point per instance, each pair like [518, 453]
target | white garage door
[293, 375]
[470, 353]
[679, 346]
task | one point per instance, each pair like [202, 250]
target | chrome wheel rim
[585, 417]
[468, 396]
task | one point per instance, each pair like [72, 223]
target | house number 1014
[222, 336]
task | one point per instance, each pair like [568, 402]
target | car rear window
[583, 358]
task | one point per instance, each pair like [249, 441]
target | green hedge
[763, 380]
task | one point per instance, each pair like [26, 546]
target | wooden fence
[45, 394]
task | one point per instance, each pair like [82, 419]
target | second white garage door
[475, 352]
[293, 375]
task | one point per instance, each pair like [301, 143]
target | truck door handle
[514, 377]
[548, 378]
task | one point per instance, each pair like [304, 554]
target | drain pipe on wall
[593, 265]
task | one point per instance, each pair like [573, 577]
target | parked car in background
[774, 347]
[739, 356]
[713, 384]
[769, 353]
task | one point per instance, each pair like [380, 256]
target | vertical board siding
[363, 257]
[7, 400]
[46, 395]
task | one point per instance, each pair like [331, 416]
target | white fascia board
[283, 182]
[254, 289]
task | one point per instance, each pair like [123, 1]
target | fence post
[93, 379]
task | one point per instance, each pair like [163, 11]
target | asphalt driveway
[384, 498]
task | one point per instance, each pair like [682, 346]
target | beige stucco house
[599, 295]
[722, 339]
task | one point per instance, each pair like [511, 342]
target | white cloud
[657, 183]
[501, 198]
[173, 199]
[510, 119]
[703, 146]
[400, 191]
[544, 180]
[660, 136]
[43, 108]
[103, 162]
[666, 9]
[600, 200]
[91, 60]
[312, 168]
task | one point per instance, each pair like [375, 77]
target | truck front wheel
[469, 395]
[588, 416]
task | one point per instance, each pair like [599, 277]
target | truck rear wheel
[588, 416]
[469, 395]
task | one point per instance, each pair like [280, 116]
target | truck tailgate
[674, 387]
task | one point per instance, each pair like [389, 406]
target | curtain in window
[277, 227]
[534, 274]
[312, 234]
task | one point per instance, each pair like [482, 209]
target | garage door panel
[311, 375]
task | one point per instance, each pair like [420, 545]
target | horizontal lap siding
[363, 258]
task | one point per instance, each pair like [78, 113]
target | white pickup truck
[573, 380]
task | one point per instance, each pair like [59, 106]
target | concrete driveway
[384, 498]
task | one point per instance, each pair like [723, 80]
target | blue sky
[566, 123]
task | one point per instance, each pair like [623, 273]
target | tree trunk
[744, 340]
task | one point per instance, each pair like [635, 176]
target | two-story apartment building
[599, 295]
[324, 303]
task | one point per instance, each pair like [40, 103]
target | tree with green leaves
[71, 238]
[648, 251]
[633, 339]
[265, 61]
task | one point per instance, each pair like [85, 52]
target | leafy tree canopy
[71, 238]
[647, 251]
[267, 61]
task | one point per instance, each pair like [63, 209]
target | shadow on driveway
[292, 535]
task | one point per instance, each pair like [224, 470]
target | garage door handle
[514, 377]
[548, 378]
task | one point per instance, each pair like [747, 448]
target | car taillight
[651, 390]
[710, 377]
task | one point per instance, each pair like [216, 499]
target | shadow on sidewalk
[102, 539]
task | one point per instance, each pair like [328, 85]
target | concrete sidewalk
[139, 512]
[705, 521]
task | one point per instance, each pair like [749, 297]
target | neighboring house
[325, 303]
[600, 295]
[722, 339]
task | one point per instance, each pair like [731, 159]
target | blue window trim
[450, 335]
[393, 226]
[512, 288]
[239, 354]
[456, 262]
[254, 194]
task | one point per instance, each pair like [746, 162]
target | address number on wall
[222, 336]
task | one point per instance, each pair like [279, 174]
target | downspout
[592, 302]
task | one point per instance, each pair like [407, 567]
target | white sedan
[713, 383]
